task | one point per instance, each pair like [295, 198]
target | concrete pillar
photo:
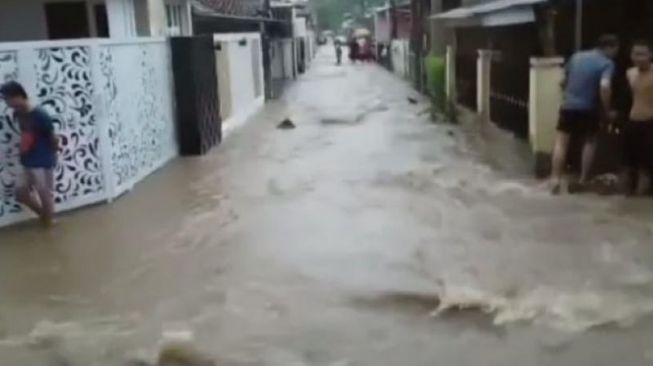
[122, 18]
[90, 15]
[545, 101]
[450, 76]
[157, 16]
[188, 18]
[483, 67]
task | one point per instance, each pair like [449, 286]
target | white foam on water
[571, 312]
[47, 334]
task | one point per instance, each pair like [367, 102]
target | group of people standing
[360, 49]
[588, 106]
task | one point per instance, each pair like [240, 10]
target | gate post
[545, 100]
[450, 76]
[483, 65]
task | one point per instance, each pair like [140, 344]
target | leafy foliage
[331, 13]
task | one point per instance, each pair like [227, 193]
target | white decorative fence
[113, 107]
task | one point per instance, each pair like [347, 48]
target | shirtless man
[639, 129]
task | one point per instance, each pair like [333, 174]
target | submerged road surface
[367, 236]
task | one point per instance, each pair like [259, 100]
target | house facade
[52, 20]
[383, 23]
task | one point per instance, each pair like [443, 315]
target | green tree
[331, 12]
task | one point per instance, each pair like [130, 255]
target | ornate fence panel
[9, 136]
[64, 87]
[112, 107]
[138, 111]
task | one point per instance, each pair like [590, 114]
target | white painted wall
[238, 58]
[545, 101]
[240, 68]
[282, 60]
[299, 27]
[276, 59]
[399, 52]
[288, 59]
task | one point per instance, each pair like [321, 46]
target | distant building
[31, 20]
[383, 22]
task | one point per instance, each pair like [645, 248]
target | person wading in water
[638, 132]
[38, 152]
[587, 102]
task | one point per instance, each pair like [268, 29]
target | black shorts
[638, 144]
[579, 123]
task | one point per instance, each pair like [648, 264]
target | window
[101, 20]
[175, 18]
[67, 20]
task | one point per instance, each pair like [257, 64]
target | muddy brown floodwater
[365, 236]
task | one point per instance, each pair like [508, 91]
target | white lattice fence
[112, 105]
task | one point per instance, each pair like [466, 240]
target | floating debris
[286, 124]
[412, 100]
[181, 354]
[177, 349]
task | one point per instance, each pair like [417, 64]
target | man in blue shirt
[587, 101]
[38, 152]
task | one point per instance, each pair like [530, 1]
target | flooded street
[367, 236]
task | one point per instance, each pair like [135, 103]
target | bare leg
[643, 182]
[47, 204]
[559, 159]
[25, 196]
[44, 186]
[589, 151]
[626, 181]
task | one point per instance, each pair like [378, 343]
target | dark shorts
[579, 123]
[638, 144]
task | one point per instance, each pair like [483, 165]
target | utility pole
[266, 49]
[394, 22]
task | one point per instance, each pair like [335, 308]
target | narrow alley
[368, 235]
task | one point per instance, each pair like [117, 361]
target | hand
[609, 122]
[56, 143]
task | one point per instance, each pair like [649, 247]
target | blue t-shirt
[37, 146]
[585, 71]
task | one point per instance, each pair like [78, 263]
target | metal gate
[513, 48]
[199, 126]
[466, 79]
[509, 92]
